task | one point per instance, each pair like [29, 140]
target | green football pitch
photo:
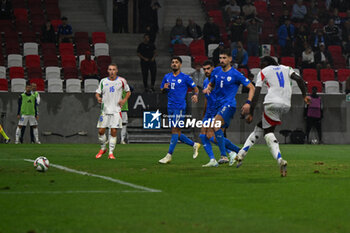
[136, 194]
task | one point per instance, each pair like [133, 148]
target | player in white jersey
[277, 102]
[109, 95]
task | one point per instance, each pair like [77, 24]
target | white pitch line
[101, 177]
[72, 192]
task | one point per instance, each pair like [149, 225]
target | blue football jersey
[226, 85]
[211, 100]
[178, 86]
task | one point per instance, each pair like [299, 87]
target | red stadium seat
[12, 47]
[50, 60]
[317, 84]
[4, 85]
[334, 49]
[37, 23]
[309, 75]
[6, 26]
[21, 14]
[197, 48]
[16, 72]
[339, 61]
[22, 26]
[200, 59]
[327, 75]
[99, 37]
[81, 37]
[253, 62]
[343, 74]
[66, 49]
[261, 6]
[34, 72]
[32, 61]
[180, 49]
[2, 61]
[68, 61]
[82, 47]
[103, 71]
[103, 61]
[40, 84]
[28, 36]
[70, 72]
[288, 61]
[244, 71]
[48, 48]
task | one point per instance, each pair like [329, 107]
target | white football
[41, 164]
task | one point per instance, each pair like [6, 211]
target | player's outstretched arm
[195, 95]
[254, 103]
[246, 107]
[302, 86]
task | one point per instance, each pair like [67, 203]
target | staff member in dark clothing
[313, 114]
[146, 51]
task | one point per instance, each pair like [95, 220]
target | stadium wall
[67, 114]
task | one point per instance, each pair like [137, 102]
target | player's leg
[175, 132]
[18, 134]
[231, 150]
[102, 123]
[32, 140]
[34, 123]
[112, 142]
[224, 116]
[249, 143]
[2, 132]
[207, 147]
[36, 134]
[144, 71]
[123, 132]
[114, 124]
[23, 120]
[180, 116]
[271, 118]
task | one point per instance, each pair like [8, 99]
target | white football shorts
[272, 114]
[23, 121]
[112, 121]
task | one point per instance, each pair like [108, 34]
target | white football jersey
[278, 82]
[111, 92]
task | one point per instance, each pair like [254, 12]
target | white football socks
[251, 140]
[103, 141]
[123, 133]
[272, 143]
[36, 134]
[18, 134]
[112, 142]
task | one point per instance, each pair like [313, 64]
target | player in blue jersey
[176, 84]
[207, 133]
[226, 81]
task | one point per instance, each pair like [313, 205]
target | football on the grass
[41, 164]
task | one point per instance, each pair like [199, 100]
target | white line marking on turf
[73, 192]
[101, 177]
